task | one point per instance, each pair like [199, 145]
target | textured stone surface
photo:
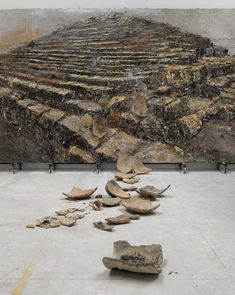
[156, 89]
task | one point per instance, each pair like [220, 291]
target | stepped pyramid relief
[116, 82]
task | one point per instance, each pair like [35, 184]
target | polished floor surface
[195, 225]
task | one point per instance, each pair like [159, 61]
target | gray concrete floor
[195, 225]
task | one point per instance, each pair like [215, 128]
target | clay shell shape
[150, 191]
[77, 193]
[115, 190]
[139, 205]
[140, 259]
[125, 163]
[130, 180]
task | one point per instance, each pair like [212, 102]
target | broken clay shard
[150, 191]
[121, 219]
[125, 163]
[68, 221]
[120, 175]
[140, 259]
[139, 205]
[30, 226]
[115, 190]
[139, 167]
[110, 202]
[99, 128]
[96, 205]
[77, 193]
[129, 188]
[130, 180]
[103, 226]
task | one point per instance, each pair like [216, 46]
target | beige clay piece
[125, 163]
[103, 226]
[139, 205]
[68, 221]
[150, 191]
[120, 175]
[121, 219]
[77, 193]
[109, 201]
[140, 259]
[96, 205]
[139, 167]
[130, 180]
[115, 190]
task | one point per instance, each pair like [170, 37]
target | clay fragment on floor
[110, 202]
[120, 219]
[150, 191]
[103, 226]
[125, 163]
[120, 175]
[30, 226]
[129, 188]
[77, 193]
[68, 221]
[139, 205]
[139, 167]
[131, 180]
[140, 259]
[113, 189]
[96, 205]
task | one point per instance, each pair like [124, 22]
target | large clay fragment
[141, 259]
[68, 221]
[150, 191]
[110, 202]
[47, 222]
[99, 128]
[121, 219]
[77, 193]
[115, 190]
[125, 163]
[139, 205]
[139, 167]
[103, 226]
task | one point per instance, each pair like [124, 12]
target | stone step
[52, 126]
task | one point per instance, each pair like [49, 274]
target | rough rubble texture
[117, 82]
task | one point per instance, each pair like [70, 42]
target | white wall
[9, 4]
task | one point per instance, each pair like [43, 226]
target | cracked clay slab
[140, 259]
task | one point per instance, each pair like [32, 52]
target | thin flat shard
[103, 226]
[120, 219]
[150, 191]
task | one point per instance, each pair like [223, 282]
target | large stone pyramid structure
[117, 82]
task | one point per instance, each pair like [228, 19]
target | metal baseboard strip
[112, 167]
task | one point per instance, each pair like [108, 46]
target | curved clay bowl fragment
[99, 128]
[77, 193]
[115, 190]
[110, 202]
[150, 191]
[139, 205]
[139, 167]
[125, 163]
[120, 175]
[121, 219]
[141, 259]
